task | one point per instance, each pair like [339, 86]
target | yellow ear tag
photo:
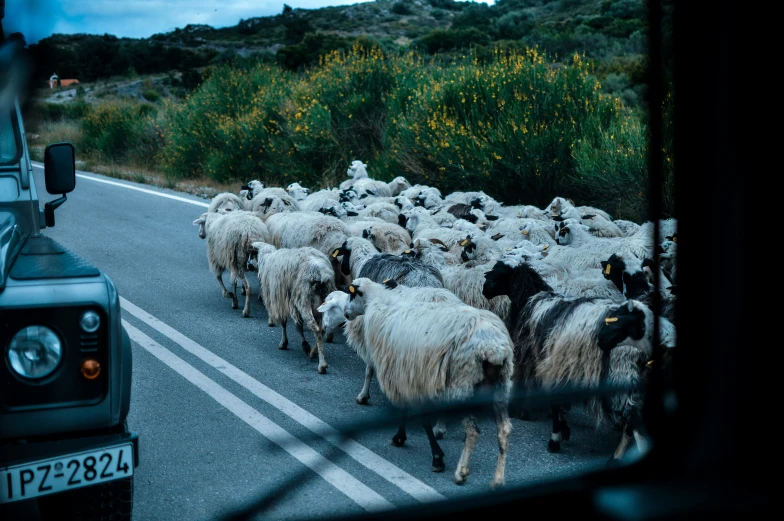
[463, 242]
[384, 281]
[610, 320]
[545, 247]
[335, 254]
[650, 362]
[607, 270]
[351, 290]
[407, 251]
[287, 188]
[524, 232]
[520, 215]
[674, 239]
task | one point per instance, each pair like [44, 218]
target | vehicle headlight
[90, 322]
[35, 352]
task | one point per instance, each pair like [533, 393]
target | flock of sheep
[444, 297]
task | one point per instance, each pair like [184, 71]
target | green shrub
[74, 110]
[151, 95]
[122, 131]
[440, 40]
[401, 8]
[507, 127]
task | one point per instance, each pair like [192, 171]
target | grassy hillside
[611, 34]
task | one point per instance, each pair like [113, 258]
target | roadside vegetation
[488, 99]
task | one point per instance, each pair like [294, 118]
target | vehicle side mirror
[60, 168]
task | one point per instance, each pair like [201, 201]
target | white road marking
[138, 189]
[358, 492]
[367, 458]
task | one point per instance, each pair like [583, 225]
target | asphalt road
[211, 389]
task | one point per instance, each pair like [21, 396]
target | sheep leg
[247, 292]
[626, 438]
[328, 339]
[566, 432]
[364, 394]
[314, 326]
[439, 429]
[642, 442]
[284, 342]
[554, 445]
[301, 331]
[471, 436]
[504, 428]
[400, 438]
[226, 293]
[438, 454]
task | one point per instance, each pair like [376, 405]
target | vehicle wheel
[112, 501]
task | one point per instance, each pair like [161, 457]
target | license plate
[69, 472]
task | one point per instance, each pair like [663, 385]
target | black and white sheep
[361, 259]
[562, 341]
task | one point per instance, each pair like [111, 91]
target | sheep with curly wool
[229, 238]
[333, 313]
[627, 227]
[385, 211]
[577, 236]
[361, 259]
[250, 190]
[225, 202]
[423, 195]
[388, 237]
[301, 229]
[425, 352]
[561, 341]
[294, 283]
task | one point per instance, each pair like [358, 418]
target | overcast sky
[37, 19]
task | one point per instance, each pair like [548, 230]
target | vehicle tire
[112, 501]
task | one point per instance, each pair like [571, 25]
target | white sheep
[576, 235]
[225, 202]
[229, 238]
[294, 283]
[388, 237]
[297, 191]
[424, 352]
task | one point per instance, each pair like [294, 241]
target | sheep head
[625, 325]
[333, 310]
[201, 222]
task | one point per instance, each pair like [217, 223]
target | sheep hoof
[566, 432]
[328, 338]
[270, 324]
[496, 484]
[553, 446]
[229, 294]
[283, 346]
[363, 400]
[306, 346]
[322, 369]
[243, 293]
[438, 463]
[439, 434]
[398, 441]
[246, 314]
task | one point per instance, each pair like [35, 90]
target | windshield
[320, 220]
[9, 140]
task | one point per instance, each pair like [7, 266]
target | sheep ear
[491, 217]
[349, 213]
[497, 236]
[201, 220]
[571, 201]
[324, 307]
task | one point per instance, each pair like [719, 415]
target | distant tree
[287, 9]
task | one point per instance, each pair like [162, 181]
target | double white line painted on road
[367, 458]
[360, 493]
[138, 189]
